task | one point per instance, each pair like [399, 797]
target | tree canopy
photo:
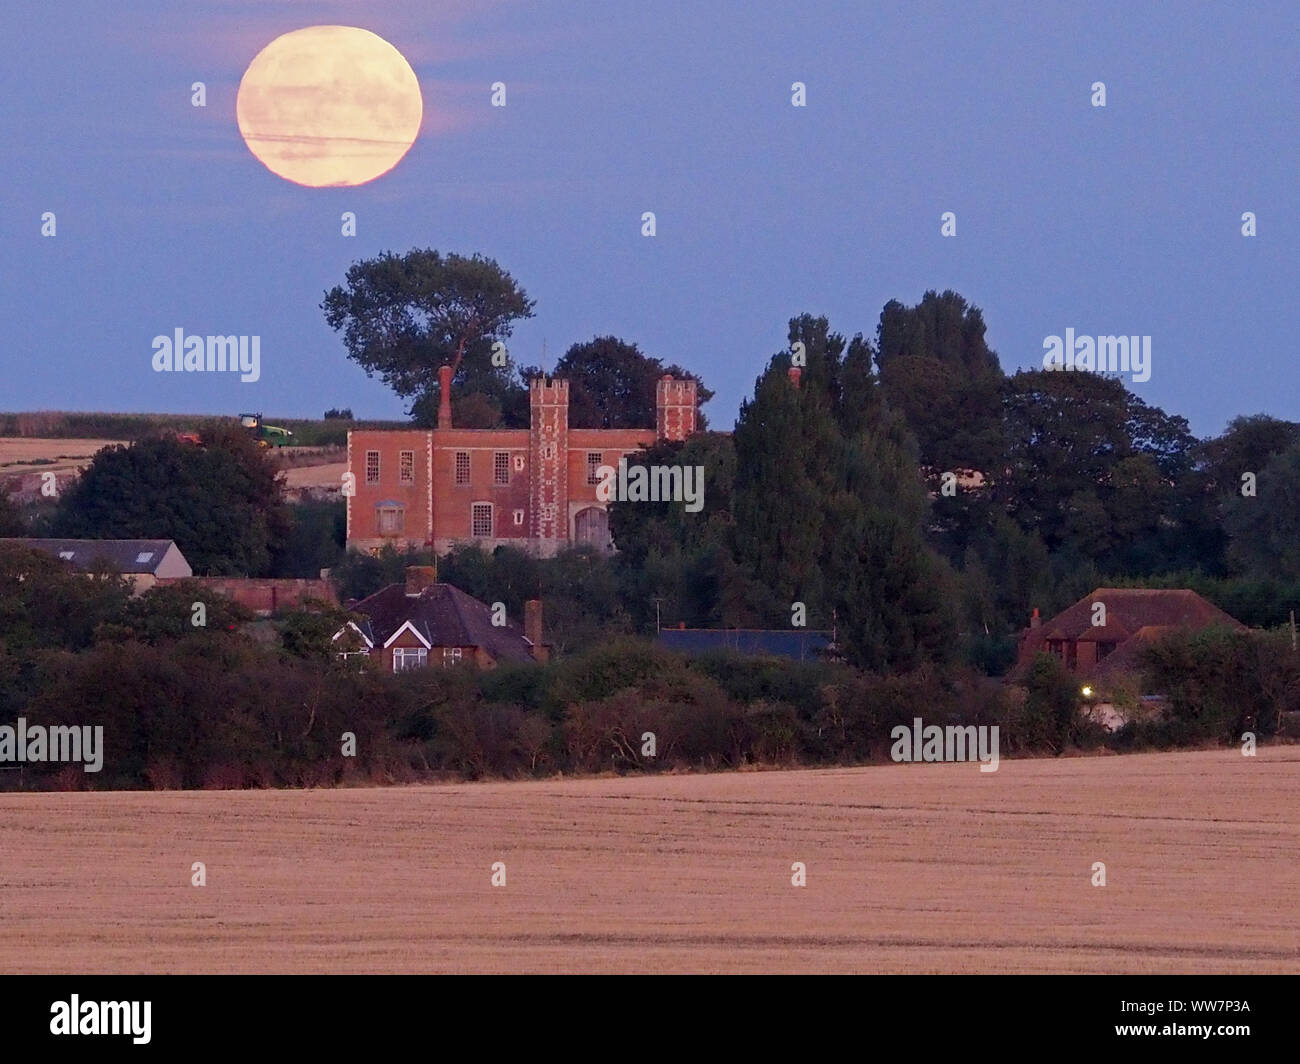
[403, 317]
[221, 503]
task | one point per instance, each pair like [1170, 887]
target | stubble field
[910, 868]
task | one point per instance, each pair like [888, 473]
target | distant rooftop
[128, 556]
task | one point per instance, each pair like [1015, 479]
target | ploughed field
[910, 868]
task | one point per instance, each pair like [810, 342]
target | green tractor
[265, 435]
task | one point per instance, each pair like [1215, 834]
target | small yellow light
[1087, 692]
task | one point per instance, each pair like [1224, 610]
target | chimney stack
[1035, 621]
[533, 628]
[418, 577]
[795, 373]
[444, 397]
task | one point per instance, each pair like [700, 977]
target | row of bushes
[219, 710]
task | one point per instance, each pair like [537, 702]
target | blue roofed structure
[796, 644]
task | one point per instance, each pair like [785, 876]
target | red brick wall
[548, 491]
[264, 596]
[452, 502]
[363, 514]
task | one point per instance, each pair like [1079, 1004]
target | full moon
[329, 105]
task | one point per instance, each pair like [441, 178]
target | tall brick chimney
[1035, 621]
[418, 577]
[444, 397]
[675, 404]
[533, 628]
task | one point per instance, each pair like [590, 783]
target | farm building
[533, 488]
[423, 622]
[142, 561]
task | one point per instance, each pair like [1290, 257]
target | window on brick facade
[462, 467]
[519, 463]
[372, 467]
[451, 655]
[481, 519]
[409, 658]
[548, 450]
[406, 467]
[391, 520]
[501, 467]
[519, 517]
[594, 461]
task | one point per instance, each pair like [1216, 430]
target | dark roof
[800, 645]
[1135, 617]
[124, 555]
[1129, 609]
[445, 616]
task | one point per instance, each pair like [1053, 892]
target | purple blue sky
[1125, 219]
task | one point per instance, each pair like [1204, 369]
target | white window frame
[469, 469]
[406, 467]
[491, 517]
[406, 658]
[500, 462]
[375, 478]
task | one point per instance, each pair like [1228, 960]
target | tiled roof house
[423, 622]
[1099, 653]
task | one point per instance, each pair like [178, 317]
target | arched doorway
[591, 528]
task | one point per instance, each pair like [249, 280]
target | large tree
[1245, 446]
[222, 503]
[938, 370]
[1264, 528]
[1093, 470]
[829, 506]
[403, 317]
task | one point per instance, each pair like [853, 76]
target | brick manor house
[532, 488]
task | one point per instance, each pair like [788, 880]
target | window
[519, 463]
[501, 467]
[144, 557]
[372, 467]
[406, 467]
[451, 655]
[392, 520]
[548, 450]
[462, 467]
[481, 519]
[594, 461]
[519, 517]
[409, 658]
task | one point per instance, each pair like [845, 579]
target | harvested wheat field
[910, 868]
[29, 455]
